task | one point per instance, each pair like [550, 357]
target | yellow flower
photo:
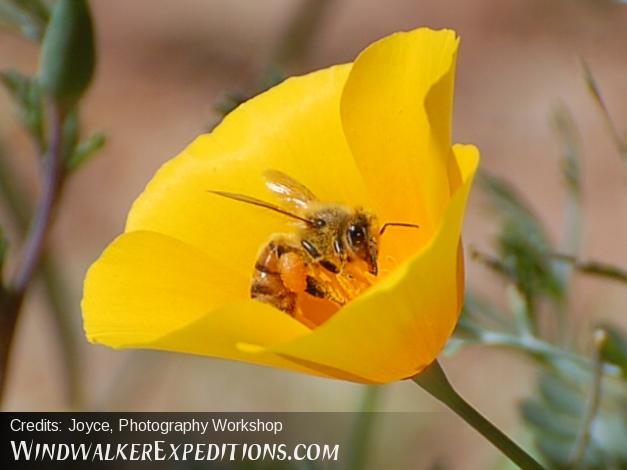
[376, 134]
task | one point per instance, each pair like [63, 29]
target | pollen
[293, 272]
[343, 287]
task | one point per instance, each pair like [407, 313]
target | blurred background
[167, 68]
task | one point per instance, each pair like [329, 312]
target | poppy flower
[375, 134]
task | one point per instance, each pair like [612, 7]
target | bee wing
[290, 191]
[258, 202]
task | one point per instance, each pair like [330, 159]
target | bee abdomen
[267, 285]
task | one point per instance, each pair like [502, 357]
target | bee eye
[319, 223]
[356, 235]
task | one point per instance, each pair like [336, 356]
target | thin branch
[593, 88]
[591, 267]
[583, 437]
[34, 245]
[522, 305]
[55, 290]
[14, 293]
[491, 262]
[595, 268]
[536, 347]
[570, 160]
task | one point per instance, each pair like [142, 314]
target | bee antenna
[396, 224]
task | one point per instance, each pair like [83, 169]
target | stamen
[342, 288]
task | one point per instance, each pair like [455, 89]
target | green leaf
[595, 92]
[484, 313]
[68, 56]
[570, 158]
[564, 126]
[71, 132]
[555, 416]
[28, 17]
[614, 350]
[557, 452]
[85, 150]
[37, 9]
[272, 77]
[550, 421]
[454, 345]
[523, 243]
[559, 396]
[27, 94]
[229, 101]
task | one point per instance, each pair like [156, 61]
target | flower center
[340, 289]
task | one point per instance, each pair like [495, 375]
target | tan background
[164, 64]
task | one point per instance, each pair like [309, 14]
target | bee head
[362, 239]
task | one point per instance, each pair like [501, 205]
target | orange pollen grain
[293, 272]
[351, 283]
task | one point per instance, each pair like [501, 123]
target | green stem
[519, 307]
[542, 349]
[434, 381]
[55, 289]
[595, 268]
[595, 91]
[573, 212]
[15, 291]
[583, 436]
[363, 427]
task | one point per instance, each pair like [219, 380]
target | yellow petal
[146, 284]
[396, 113]
[148, 290]
[402, 323]
[294, 127]
[245, 331]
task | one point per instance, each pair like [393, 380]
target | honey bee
[330, 255]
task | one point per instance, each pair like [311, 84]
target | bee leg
[319, 290]
[353, 283]
[267, 284]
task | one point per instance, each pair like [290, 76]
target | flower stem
[434, 381]
[363, 427]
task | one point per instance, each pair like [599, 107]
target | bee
[330, 255]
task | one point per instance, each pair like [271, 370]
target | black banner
[184, 440]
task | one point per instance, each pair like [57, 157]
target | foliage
[578, 415]
[555, 415]
[68, 57]
[28, 17]
[522, 243]
[27, 95]
[49, 109]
